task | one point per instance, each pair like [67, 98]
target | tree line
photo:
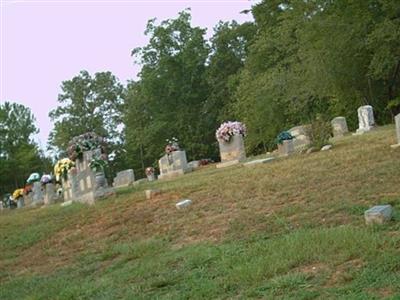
[297, 62]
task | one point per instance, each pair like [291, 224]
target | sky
[44, 42]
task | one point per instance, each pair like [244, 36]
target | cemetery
[249, 150]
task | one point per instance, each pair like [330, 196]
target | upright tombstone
[397, 121]
[69, 186]
[286, 147]
[124, 178]
[339, 126]
[50, 195]
[37, 193]
[301, 138]
[366, 120]
[20, 202]
[233, 150]
[173, 164]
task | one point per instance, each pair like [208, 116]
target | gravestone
[286, 147]
[378, 214]
[366, 120]
[301, 137]
[231, 152]
[50, 195]
[173, 164]
[397, 121]
[37, 193]
[151, 177]
[339, 126]
[124, 178]
[20, 202]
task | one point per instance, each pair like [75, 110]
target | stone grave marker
[366, 121]
[339, 126]
[301, 138]
[378, 214]
[183, 204]
[173, 164]
[124, 178]
[231, 152]
[37, 193]
[50, 195]
[286, 147]
[397, 121]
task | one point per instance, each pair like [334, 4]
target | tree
[19, 154]
[87, 104]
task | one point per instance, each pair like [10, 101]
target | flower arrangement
[172, 145]
[62, 167]
[284, 136]
[84, 142]
[149, 171]
[34, 177]
[46, 178]
[18, 193]
[228, 129]
[98, 163]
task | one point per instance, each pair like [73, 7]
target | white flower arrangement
[228, 129]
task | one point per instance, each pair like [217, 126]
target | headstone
[150, 194]
[339, 126]
[286, 148]
[1, 205]
[37, 193]
[20, 202]
[258, 161]
[151, 177]
[366, 120]
[397, 121]
[173, 164]
[232, 150]
[183, 204]
[124, 178]
[326, 147]
[194, 164]
[50, 195]
[378, 214]
[301, 137]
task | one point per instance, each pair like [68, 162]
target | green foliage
[320, 132]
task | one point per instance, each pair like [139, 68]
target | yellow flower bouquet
[62, 167]
[18, 193]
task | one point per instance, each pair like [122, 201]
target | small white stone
[183, 204]
[66, 203]
[326, 147]
[378, 214]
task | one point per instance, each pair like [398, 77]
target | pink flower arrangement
[228, 129]
[149, 171]
[172, 146]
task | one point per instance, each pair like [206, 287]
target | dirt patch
[342, 273]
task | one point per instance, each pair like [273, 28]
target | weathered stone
[50, 195]
[397, 122]
[232, 150]
[339, 126]
[37, 193]
[66, 203]
[194, 164]
[150, 194]
[286, 148]
[183, 204]
[20, 202]
[326, 147]
[301, 137]
[173, 164]
[378, 214]
[140, 181]
[151, 177]
[366, 120]
[258, 161]
[227, 164]
[124, 178]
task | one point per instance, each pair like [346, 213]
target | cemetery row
[81, 177]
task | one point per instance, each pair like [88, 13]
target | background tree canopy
[297, 62]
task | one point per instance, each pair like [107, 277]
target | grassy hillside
[292, 228]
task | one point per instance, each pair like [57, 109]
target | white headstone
[173, 164]
[397, 120]
[366, 120]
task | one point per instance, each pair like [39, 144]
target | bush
[320, 132]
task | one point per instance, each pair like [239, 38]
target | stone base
[228, 163]
[395, 146]
[91, 197]
[258, 161]
[173, 174]
[362, 131]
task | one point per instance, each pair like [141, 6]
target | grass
[289, 229]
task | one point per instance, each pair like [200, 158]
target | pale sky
[46, 42]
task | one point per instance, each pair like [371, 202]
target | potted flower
[46, 178]
[172, 145]
[62, 167]
[34, 177]
[150, 173]
[285, 143]
[229, 129]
